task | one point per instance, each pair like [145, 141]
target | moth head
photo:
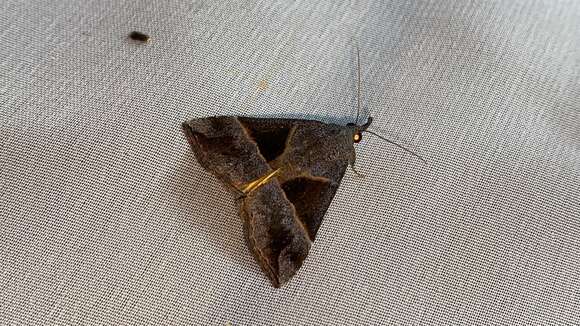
[357, 137]
[357, 130]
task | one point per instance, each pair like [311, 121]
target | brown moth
[284, 174]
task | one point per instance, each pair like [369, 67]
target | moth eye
[357, 137]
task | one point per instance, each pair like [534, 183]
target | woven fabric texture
[106, 218]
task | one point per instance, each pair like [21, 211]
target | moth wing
[274, 233]
[314, 156]
[221, 145]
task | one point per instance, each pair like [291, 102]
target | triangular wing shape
[282, 217]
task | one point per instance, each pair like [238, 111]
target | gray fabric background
[106, 217]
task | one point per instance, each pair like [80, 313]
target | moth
[283, 174]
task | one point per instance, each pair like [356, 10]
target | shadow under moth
[283, 174]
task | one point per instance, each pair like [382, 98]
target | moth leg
[351, 164]
[358, 174]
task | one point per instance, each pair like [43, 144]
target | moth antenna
[358, 85]
[400, 146]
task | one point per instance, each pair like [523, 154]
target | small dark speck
[138, 36]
